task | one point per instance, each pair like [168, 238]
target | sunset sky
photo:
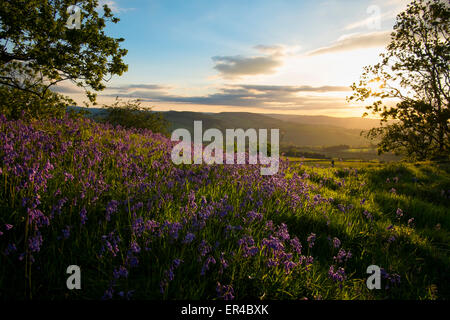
[277, 56]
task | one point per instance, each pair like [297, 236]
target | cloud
[272, 50]
[355, 41]
[379, 13]
[133, 87]
[296, 88]
[270, 58]
[233, 67]
[254, 96]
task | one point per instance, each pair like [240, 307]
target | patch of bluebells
[247, 245]
[144, 183]
[254, 216]
[296, 245]
[311, 239]
[35, 242]
[10, 249]
[66, 233]
[169, 275]
[189, 238]
[225, 292]
[172, 229]
[206, 265]
[368, 215]
[392, 279]
[282, 232]
[204, 248]
[111, 208]
[121, 272]
[336, 242]
[342, 256]
[83, 216]
[110, 244]
[223, 263]
[134, 247]
[337, 274]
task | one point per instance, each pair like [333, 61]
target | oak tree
[38, 50]
[410, 86]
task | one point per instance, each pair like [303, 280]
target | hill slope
[111, 201]
[299, 131]
[291, 133]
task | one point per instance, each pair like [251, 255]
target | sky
[264, 56]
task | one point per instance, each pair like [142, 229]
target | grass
[326, 163]
[111, 201]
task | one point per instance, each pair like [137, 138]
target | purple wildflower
[311, 239]
[282, 232]
[108, 295]
[204, 248]
[35, 242]
[66, 232]
[10, 248]
[111, 208]
[337, 275]
[83, 216]
[122, 272]
[253, 215]
[189, 238]
[134, 247]
[288, 266]
[205, 267]
[296, 245]
[336, 242]
[368, 215]
[342, 256]
[225, 292]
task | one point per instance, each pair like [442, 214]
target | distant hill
[349, 123]
[291, 132]
[294, 130]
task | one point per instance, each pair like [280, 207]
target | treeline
[291, 151]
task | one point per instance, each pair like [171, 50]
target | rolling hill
[299, 131]
[291, 132]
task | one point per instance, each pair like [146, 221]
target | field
[326, 163]
[110, 200]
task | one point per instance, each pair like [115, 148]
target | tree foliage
[130, 114]
[37, 50]
[411, 84]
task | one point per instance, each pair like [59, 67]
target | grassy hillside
[73, 192]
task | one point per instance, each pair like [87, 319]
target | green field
[326, 163]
